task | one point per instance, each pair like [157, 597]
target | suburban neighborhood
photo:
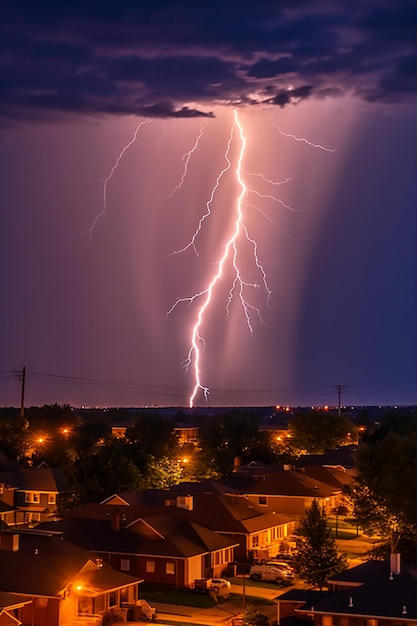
[227, 539]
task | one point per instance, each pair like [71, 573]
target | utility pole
[22, 377]
[339, 389]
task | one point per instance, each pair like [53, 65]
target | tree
[317, 557]
[98, 474]
[225, 436]
[161, 473]
[385, 494]
[14, 436]
[318, 431]
[254, 617]
[152, 434]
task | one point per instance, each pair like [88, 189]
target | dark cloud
[113, 57]
[166, 109]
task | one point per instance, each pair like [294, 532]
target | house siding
[138, 569]
[35, 615]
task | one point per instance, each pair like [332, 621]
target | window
[42, 602]
[150, 567]
[51, 498]
[32, 496]
[169, 568]
[255, 541]
[125, 565]
[262, 500]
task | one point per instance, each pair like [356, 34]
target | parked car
[283, 556]
[271, 572]
[283, 564]
[204, 585]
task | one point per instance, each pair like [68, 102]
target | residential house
[186, 433]
[258, 532]
[285, 491]
[36, 493]
[370, 594]
[157, 543]
[55, 583]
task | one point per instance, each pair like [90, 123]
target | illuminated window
[150, 567]
[169, 568]
[32, 497]
[51, 498]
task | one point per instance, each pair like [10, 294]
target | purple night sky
[92, 224]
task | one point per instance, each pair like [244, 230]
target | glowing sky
[86, 311]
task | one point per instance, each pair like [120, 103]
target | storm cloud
[167, 58]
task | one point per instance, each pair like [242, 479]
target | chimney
[395, 562]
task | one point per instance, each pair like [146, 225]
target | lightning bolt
[228, 255]
[186, 159]
[110, 176]
[303, 140]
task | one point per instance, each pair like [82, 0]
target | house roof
[213, 515]
[36, 479]
[6, 508]
[332, 476]
[159, 496]
[50, 564]
[234, 514]
[286, 483]
[377, 594]
[159, 531]
[12, 600]
[392, 597]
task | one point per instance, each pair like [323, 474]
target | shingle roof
[221, 513]
[159, 496]
[163, 531]
[49, 564]
[331, 476]
[36, 479]
[284, 483]
[366, 572]
[12, 600]
[381, 594]
[393, 597]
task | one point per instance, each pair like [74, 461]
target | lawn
[342, 528]
[170, 595]
[184, 597]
